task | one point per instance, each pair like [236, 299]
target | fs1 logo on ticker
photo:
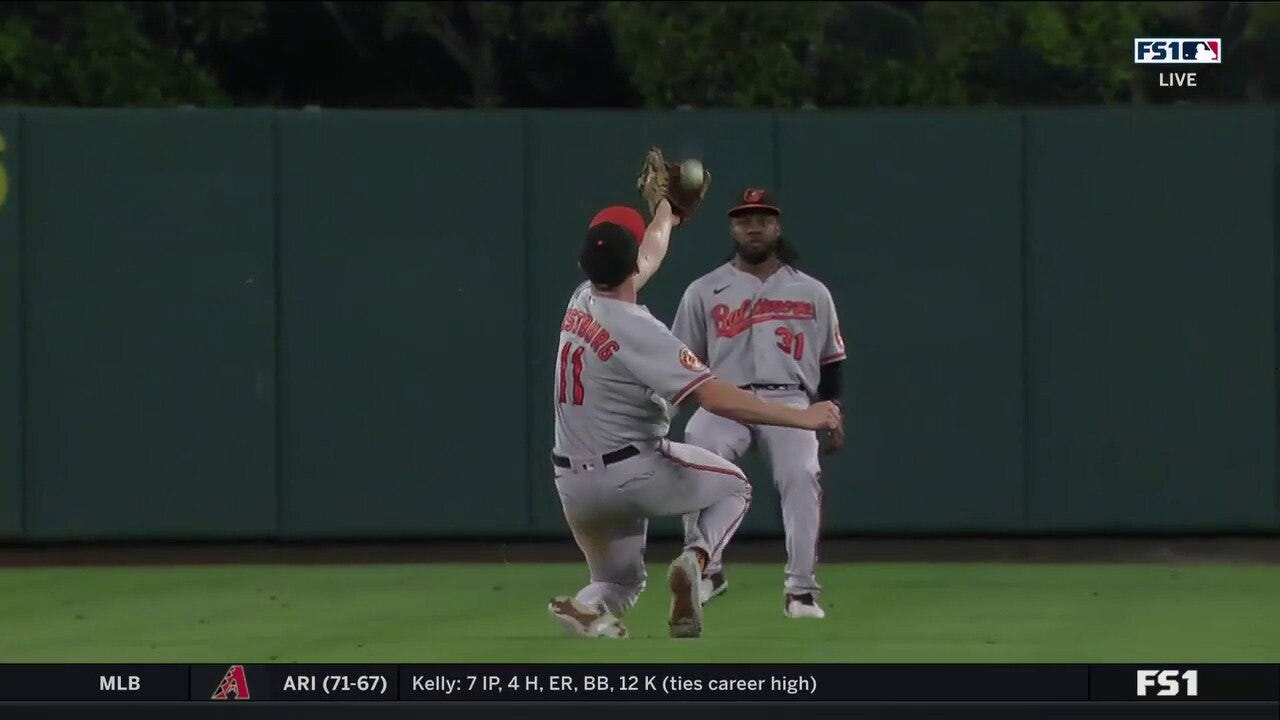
[1170, 682]
[1177, 51]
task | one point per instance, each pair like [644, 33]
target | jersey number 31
[791, 343]
[578, 390]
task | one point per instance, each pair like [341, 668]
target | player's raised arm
[725, 400]
[657, 238]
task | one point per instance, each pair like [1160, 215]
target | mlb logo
[1177, 51]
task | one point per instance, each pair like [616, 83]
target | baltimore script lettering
[730, 323]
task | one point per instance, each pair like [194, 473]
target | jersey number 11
[578, 390]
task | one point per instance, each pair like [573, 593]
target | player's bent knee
[743, 486]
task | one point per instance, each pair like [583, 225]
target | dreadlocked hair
[786, 253]
[784, 250]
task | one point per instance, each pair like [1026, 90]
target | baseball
[691, 173]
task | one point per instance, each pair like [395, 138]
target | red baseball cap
[756, 199]
[625, 217]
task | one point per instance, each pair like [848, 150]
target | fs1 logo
[1177, 51]
[1170, 682]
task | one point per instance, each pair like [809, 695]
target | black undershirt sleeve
[830, 382]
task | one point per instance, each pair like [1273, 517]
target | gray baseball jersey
[619, 374]
[778, 331]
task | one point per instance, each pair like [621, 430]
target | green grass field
[877, 612]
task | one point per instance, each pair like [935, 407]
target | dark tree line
[615, 54]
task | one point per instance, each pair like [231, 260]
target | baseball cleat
[686, 609]
[584, 621]
[803, 606]
[712, 586]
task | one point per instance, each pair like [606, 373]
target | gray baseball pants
[793, 460]
[608, 510]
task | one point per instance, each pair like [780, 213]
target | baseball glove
[684, 185]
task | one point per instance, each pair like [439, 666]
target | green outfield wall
[220, 324]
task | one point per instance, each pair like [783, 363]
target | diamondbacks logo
[233, 684]
[691, 361]
[752, 195]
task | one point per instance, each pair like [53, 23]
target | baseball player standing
[619, 374]
[766, 327]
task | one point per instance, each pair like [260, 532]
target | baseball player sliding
[619, 374]
[766, 327]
